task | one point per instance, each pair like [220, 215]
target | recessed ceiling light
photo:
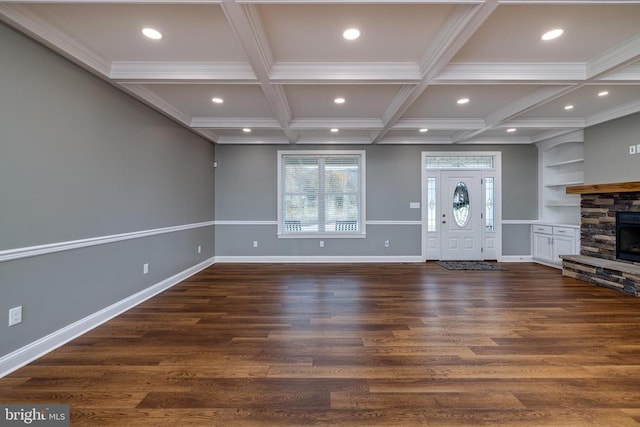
[603, 93]
[339, 100]
[217, 100]
[568, 107]
[423, 130]
[553, 34]
[152, 34]
[462, 101]
[511, 130]
[351, 34]
[246, 130]
[334, 130]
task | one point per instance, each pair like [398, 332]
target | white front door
[461, 221]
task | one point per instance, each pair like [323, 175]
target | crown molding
[415, 140]
[339, 122]
[614, 113]
[512, 72]
[443, 124]
[158, 103]
[349, 140]
[548, 140]
[20, 17]
[500, 140]
[248, 140]
[234, 122]
[237, 72]
[551, 122]
[614, 59]
[628, 74]
[332, 72]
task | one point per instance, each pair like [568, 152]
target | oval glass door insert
[461, 204]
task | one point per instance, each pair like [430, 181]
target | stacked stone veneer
[598, 221]
[597, 262]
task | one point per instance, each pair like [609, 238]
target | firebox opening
[628, 236]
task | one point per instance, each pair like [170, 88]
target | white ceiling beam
[415, 140]
[245, 22]
[345, 72]
[244, 140]
[439, 124]
[461, 24]
[336, 122]
[141, 71]
[496, 73]
[613, 113]
[614, 59]
[551, 122]
[235, 122]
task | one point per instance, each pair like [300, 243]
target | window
[459, 162]
[321, 193]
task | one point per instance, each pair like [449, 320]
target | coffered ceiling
[278, 66]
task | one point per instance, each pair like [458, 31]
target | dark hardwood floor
[354, 345]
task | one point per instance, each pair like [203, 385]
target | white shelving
[561, 164]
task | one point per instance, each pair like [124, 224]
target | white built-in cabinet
[561, 164]
[551, 241]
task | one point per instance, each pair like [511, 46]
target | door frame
[491, 240]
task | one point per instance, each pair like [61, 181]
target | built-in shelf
[617, 187]
[567, 162]
[562, 184]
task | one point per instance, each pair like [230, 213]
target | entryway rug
[469, 265]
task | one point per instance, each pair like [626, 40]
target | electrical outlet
[632, 149]
[15, 315]
[638, 149]
[199, 249]
[255, 243]
[145, 268]
[322, 243]
[386, 243]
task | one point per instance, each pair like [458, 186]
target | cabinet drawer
[564, 231]
[546, 229]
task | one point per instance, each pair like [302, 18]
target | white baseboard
[516, 258]
[39, 348]
[316, 259]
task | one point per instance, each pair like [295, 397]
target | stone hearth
[597, 262]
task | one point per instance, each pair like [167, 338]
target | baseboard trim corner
[516, 258]
[27, 354]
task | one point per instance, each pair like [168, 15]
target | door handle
[444, 221]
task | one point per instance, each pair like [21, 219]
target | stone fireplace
[610, 221]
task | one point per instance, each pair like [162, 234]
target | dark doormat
[469, 265]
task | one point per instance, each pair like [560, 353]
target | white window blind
[321, 193]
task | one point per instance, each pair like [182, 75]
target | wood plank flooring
[354, 345]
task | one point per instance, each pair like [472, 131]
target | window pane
[321, 193]
[431, 203]
[459, 162]
[489, 205]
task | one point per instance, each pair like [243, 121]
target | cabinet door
[542, 248]
[563, 246]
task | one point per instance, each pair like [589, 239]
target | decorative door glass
[461, 204]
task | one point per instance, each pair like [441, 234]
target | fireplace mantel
[617, 187]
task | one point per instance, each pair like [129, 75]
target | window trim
[326, 234]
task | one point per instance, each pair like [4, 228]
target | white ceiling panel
[361, 101]
[442, 101]
[512, 33]
[195, 100]
[191, 32]
[389, 32]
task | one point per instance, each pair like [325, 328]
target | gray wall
[606, 151]
[246, 190]
[80, 159]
